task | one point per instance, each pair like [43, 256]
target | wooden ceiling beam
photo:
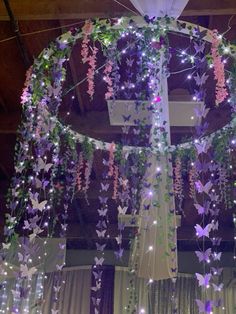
[74, 9]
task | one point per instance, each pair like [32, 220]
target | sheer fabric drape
[156, 298]
[74, 296]
[160, 8]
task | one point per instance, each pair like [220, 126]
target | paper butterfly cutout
[203, 188]
[102, 212]
[204, 256]
[101, 234]
[203, 280]
[205, 307]
[202, 232]
[216, 256]
[27, 272]
[122, 211]
[99, 261]
[218, 287]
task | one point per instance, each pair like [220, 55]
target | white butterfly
[97, 287]
[218, 287]
[119, 239]
[54, 311]
[16, 294]
[22, 258]
[37, 205]
[43, 165]
[36, 231]
[101, 234]
[122, 211]
[6, 246]
[27, 272]
[57, 288]
[59, 267]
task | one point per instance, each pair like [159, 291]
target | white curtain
[156, 298]
[160, 8]
[74, 296]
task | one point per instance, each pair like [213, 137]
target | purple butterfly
[126, 118]
[202, 147]
[97, 287]
[199, 47]
[174, 270]
[202, 232]
[103, 200]
[214, 197]
[218, 287]
[204, 256]
[105, 187]
[102, 212]
[216, 241]
[202, 210]
[96, 301]
[203, 280]
[200, 80]
[119, 253]
[97, 275]
[214, 211]
[100, 247]
[216, 256]
[203, 188]
[101, 224]
[99, 261]
[205, 307]
[216, 271]
[105, 162]
[202, 166]
[101, 234]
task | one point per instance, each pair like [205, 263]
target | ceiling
[31, 26]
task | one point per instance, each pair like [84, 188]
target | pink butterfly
[203, 188]
[203, 280]
[204, 256]
[202, 232]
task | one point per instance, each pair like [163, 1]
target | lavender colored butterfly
[202, 147]
[218, 287]
[102, 212]
[119, 253]
[103, 200]
[99, 261]
[203, 188]
[203, 280]
[122, 211]
[200, 80]
[202, 232]
[216, 271]
[100, 247]
[97, 275]
[216, 241]
[97, 287]
[202, 210]
[204, 307]
[105, 162]
[101, 234]
[96, 301]
[216, 256]
[105, 187]
[204, 256]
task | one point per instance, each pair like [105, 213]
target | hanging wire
[42, 31]
[123, 5]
